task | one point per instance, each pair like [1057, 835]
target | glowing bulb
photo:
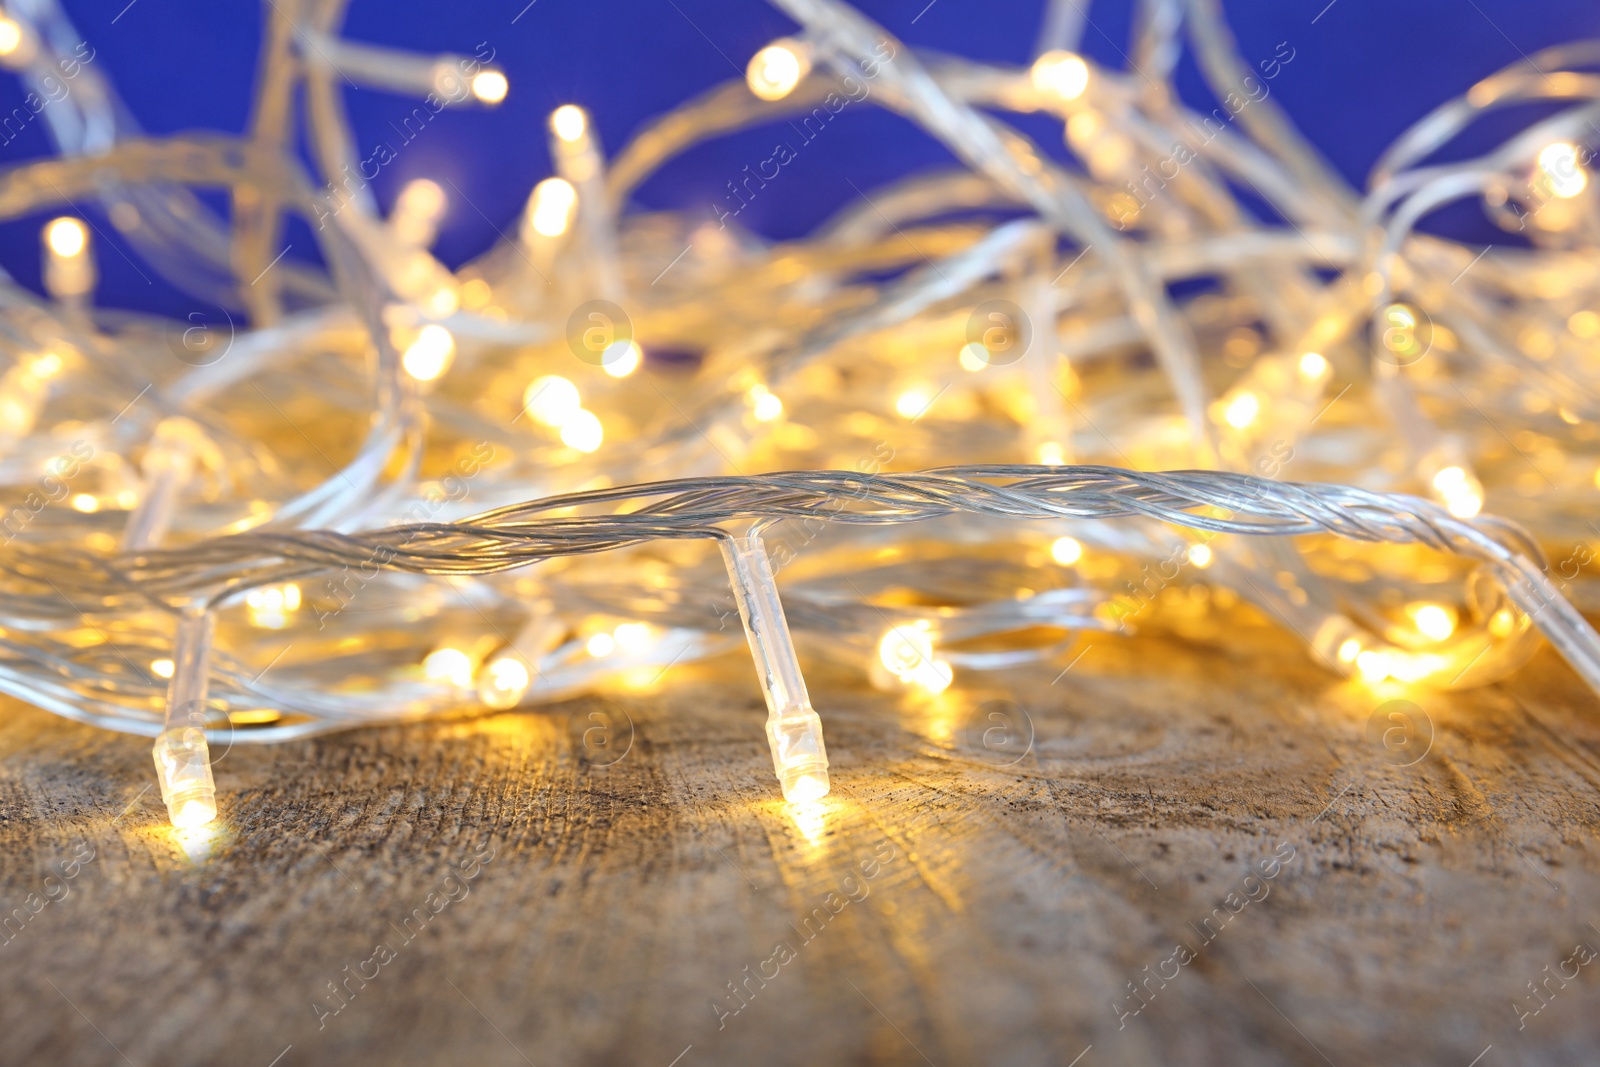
[192, 813]
[448, 665]
[85, 502]
[776, 69]
[1433, 620]
[582, 431]
[907, 652]
[552, 400]
[1066, 551]
[974, 357]
[568, 122]
[601, 645]
[1051, 454]
[1559, 164]
[903, 648]
[1242, 410]
[1200, 555]
[911, 403]
[621, 358]
[430, 354]
[46, 366]
[1313, 366]
[806, 789]
[490, 86]
[503, 681]
[1374, 666]
[764, 406]
[423, 198]
[162, 668]
[66, 237]
[10, 35]
[1461, 492]
[183, 767]
[634, 637]
[270, 605]
[1350, 650]
[1063, 73]
[551, 206]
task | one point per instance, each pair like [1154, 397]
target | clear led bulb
[794, 730]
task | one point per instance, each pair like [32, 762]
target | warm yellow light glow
[1051, 453]
[764, 406]
[66, 237]
[621, 358]
[448, 665]
[552, 400]
[422, 197]
[270, 605]
[430, 354]
[10, 35]
[806, 789]
[86, 502]
[46, 366]
[551, 206]
[1461, 492]
[1066, 551]
[907, 651]
[1349, 650]
[776, 69]
[442, 302]
[1433, 620]
[162, 668]
[503, 681]
[194, 812]
[1313, 366]
[601, 644]
[911, 403]
[1242, 410]
[1563, 172]
[583, 431]
[1584, 324]
[1063, 73]
[1200, 555]
[634, 637]
[1374, 666]
[490, 86]
[974, 357]
[569, 122]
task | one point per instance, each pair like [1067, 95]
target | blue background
[1362, 72]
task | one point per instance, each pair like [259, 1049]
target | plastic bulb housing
[182, 755]
[794, 730]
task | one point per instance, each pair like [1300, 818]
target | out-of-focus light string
[179, 562]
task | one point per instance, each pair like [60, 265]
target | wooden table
[545, 892]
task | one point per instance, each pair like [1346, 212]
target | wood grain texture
[1006, 910]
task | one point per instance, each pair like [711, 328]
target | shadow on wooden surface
[1201, 858]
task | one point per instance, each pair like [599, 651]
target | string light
[1063, 74]
[1559, 166]
[430, 355]
[552, 400]
[774, 71]
[621, 358]
[1231, 390]
[490, 86]
[448, 664]
[551, 206]
[569, 123]
[1066, 551]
